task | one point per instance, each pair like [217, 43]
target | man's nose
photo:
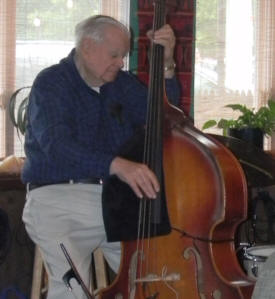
[120, 62]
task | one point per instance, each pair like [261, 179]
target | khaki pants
[70, 214]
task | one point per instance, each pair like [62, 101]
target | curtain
[180, 15]
[33, 35]
[265, 57]
[7, 67]
[119, 9]
[234, 60]
[7, 49]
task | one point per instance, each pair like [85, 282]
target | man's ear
[87, 45]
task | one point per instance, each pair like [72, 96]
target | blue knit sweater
[73, 132]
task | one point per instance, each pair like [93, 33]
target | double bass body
[206, 197]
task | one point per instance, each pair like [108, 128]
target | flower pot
[253, 136]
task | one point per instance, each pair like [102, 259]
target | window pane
[44, 35]
[225, 58]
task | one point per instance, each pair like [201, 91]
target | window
[234, 57]
[33, 35]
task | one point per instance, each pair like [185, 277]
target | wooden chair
[100, 276]
[39, 278]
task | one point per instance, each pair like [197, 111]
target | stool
[99, 274]
[39, 277]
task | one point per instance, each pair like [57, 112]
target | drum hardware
[254, 220]
[243, 246]
[263, 218]
[259, 227]
[257, 241]
[254, 258]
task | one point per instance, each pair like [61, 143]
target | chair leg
[100, 270]
[39, 280]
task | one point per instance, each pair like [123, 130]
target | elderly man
[72, 142]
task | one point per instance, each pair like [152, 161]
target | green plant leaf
[263, 119]
[209, 124]
[224, 123]
[271, 104]
[241, 108]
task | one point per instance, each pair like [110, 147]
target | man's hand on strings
[165, 36]
[137, 175]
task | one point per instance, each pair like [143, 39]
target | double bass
[204, 196]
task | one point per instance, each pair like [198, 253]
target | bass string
[152, 149]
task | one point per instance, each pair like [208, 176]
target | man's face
[103, 60]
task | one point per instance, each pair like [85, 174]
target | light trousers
[70, 214]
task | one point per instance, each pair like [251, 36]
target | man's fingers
[137, 175]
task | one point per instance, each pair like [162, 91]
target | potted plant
[250, 126]
[17, 109]
[17, 105]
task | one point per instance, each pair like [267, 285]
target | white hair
[93, 27]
